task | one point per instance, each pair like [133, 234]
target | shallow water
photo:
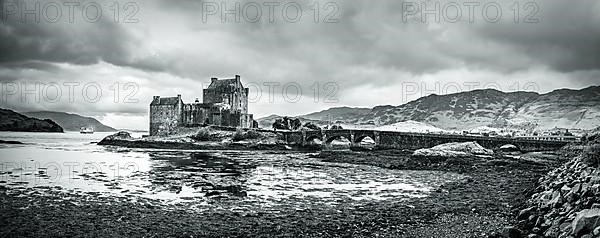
[72, 162]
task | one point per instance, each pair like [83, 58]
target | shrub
[240, 135]
[252, 134]
[203, 134]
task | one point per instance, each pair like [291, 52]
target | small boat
[86, 130]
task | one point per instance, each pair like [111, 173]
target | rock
[121, 135]
[511, 232]
[557, 200]
[508, 148]
[586, 221]
[571, 196]
[565, 189]
[567, 229]
[596, 231]
[576, 188]
[525, 213]
[454, 149]
[552, 232]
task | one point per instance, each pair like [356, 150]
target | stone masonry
[224, 103]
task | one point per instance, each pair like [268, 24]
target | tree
[311, 126]
[280, 124]
[295, 124]
[336, 127]
[287, 123]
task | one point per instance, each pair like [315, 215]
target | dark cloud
[77, 42]
[368, 33]
[566, 38]
[370, 48]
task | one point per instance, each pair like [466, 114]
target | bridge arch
[359, 139]
[337, 137]
[311, 138]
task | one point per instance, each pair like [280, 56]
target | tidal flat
[270, 194]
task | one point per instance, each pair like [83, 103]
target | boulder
[524, 214]
[586, 221]
[557, 200]
[508, 148]
[121, 135]
[454, 149]
[510, 232]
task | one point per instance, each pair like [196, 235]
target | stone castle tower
[224, 103]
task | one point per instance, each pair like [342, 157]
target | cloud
[368, 53]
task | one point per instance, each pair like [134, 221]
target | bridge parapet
[410, 140]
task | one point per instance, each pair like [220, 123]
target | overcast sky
[358, 53]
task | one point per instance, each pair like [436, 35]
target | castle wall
[197, 114]
[164, 119]
[225, 103]
[228, 91]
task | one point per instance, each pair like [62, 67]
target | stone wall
[227, 91]
[566, 203]
[214, 114]
[164, 119]
[413, 141]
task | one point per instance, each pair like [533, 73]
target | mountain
[338, 113]
[563, 108]
[71, 122]
[13, 121]
[410, 126]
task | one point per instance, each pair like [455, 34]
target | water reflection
[254, 177]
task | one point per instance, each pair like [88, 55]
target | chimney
[237, 77]
[156, 98]
[212, 80]
[179, 96]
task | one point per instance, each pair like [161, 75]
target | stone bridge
[413, 141]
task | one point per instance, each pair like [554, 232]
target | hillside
[71, 122]
[338, 113]
[13, 121]
[560, 108]
[563, 108]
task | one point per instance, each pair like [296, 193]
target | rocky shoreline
[186, 142]
[566, 202]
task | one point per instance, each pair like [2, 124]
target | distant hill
[562, 108]
[71, 122]
[13, 121]
[338, 113]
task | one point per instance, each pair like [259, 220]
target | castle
[224, 103]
